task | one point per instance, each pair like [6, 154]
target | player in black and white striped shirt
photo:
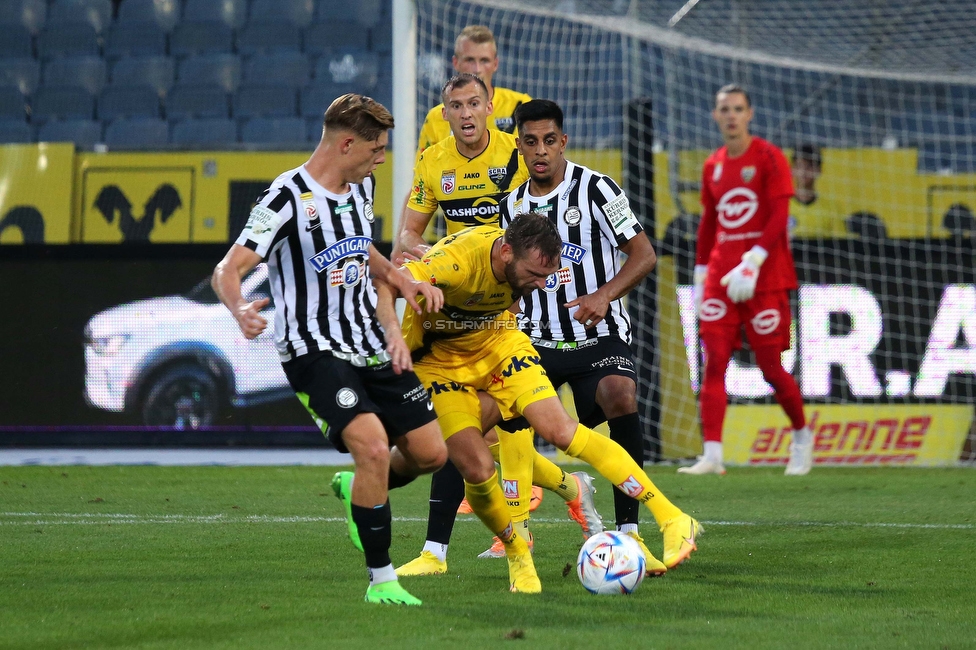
[340, 345]
[578, 323]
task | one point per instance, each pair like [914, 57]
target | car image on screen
[181, 361]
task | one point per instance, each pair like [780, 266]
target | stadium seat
[317, 97]
[53, 102]
[14, 132]
[16, 42]
[364, 12]
[135, 39]
[264, 100]
[352, 66]
[221, 70]
[383, 91]
[232, 13]
[157, 72]
[67, 39]
[13, 104]
[296, 12]
[200, 37]
[278, 131]
[84, 133]
[321, 38]
[165, 13]
[97, 13]
[267, 37]
[313, 127]
[137, 133]
[32, 14]
[25, 74]
[88, 72]
[381, 38]
[196, 101]
[206, 132]
[128, 101]
[289, 68]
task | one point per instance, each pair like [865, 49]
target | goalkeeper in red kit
[743, 274]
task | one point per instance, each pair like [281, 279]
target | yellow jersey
[475, 302]
[468, 190]
[504, 102]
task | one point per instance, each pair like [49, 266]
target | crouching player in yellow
[473, 344]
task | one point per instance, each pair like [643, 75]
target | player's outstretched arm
[410, 242]
[226, 282]
[641, 259]
[404, 284]
[386, 314]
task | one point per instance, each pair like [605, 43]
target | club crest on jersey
[557, 279]
[748, 173]
[504, 124]
[368, 211]
[766, 321]
[497, 174]
[475, 299]
[448, 181]
[351, 273]
[340, 250]
[717, 172]
[572, 216]
[736, 207]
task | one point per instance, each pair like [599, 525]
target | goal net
[875, 105]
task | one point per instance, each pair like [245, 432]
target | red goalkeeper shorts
[766, 317]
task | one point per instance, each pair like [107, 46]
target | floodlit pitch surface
[221, 557]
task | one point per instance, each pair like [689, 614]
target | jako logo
[712, 309]
[736, 207]
[766, 321]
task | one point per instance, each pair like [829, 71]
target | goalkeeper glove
[741, 281]
[701, 272]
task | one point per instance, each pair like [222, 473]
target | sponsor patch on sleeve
[619, 214]
[262, 223]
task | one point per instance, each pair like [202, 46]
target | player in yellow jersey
[473, 345]
[475, 53]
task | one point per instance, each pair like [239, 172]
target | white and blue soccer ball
[610, 563]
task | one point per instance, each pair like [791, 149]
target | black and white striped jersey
[593, 217]
[316, 244]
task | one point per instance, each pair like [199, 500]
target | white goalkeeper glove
[701, 272]
[741, 281]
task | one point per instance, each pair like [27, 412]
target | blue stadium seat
[268, 37]
[206, 132]
[157, 72]
[221, 70]
[232, 13]
[32, 14]
[288, 131]
[296, 12]
[53, 102]
[88, 72]
[200, 37]
[165, 13]
[84, 133]
[289, 68]
[196, 101]
[16, 42]
[381, 38]
[318, 96]
[313, 127]
[135, 39]
[67, 39]
[351, 66]
[137, 133]
[13, 104]
[25, 74]
[264, 100]
[128, 101]
[364, 12]
[383, 91]
[14, 132]
[323, 37]
[97, 13]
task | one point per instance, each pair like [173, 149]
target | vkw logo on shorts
[347, 398]
[510, 488]
[712, 309]
[736, 207]
[766, 321]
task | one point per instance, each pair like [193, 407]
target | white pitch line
[88, 519]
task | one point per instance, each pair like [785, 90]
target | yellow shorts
[508, 368]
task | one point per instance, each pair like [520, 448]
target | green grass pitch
[221, 557]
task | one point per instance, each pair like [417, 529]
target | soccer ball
[610, 563]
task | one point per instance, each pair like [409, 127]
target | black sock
[446, 494]
[626, 432]
[375, 533]
[398, 481]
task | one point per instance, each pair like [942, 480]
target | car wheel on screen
[184, 397]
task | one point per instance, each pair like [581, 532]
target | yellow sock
[488, 503]
[547, 475]
[616, 465]
[495, 448]
[515, 456]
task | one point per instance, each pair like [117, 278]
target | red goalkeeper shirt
[745, 203]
